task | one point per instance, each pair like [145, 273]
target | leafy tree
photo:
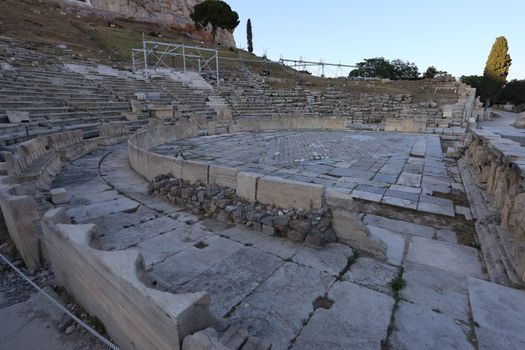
[430, 73]
[249, 35]
[513, 92]
[217, 13]
[404, 70]
[382, 68]
[496, 70]
[474, 81]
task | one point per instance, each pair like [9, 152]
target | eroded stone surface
[447, 256]
[499, 312]
[419, 328]
[351, 322]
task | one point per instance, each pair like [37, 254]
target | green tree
[496, 70]
[404, 70]
[430, 73]
[380, 67]
[513, 92]
[249, 35]
[474, 81]
[217, 13]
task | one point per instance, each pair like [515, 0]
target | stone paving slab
[232, 279]
[160, 247]
[332, 258]
[89, 212]
[280, 306]
[419, 328]
[118, 221]
[499, 315]
[400, 226]
[191, 262]
[438, 290]
[118, 240]
[372, 274]
[444, 255]
[351, 322]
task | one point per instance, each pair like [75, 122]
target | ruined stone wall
[499, 168]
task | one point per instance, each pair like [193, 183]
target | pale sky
[453, 35]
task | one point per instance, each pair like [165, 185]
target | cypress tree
[249, 35]
[496, 70]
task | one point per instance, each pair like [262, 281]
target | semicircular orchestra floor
[403, 170]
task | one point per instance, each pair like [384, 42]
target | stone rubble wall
[111, 286]
[311, 226]
[499, 168]
[257, 188]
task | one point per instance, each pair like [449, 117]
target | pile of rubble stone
[297, 224]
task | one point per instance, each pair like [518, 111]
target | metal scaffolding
[155, 54]
[303, 65]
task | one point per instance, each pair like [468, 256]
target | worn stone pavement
[402, 170]
[295, 296]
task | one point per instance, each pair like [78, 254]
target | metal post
[145, 58]
[217, 65]
[184, 58]
[133, 60]
[199, 60]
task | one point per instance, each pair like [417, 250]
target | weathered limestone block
[59, 195]
[285, 193]
[136, 107]
[162, 113]
[16, 117]
[223, 176]
[247, 185]
[203, 340]
[108, 285]
[195, 171]
[20, 213]
[348, 226]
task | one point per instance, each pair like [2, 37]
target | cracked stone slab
[192, 261]
[351, 322]
[409, 180]
[232, 279]
[87, 213]
[158, 248]
[130, 236]
[400, 226]
[446, 256]
[267, 312]
[372, 274]
[118, 221]
[499, 314]
[442, 291]
[418, 328]
[332, 258]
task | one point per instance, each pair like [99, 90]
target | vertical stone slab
[288, 193]
[247, 185]
[195, 172]
[223, 176]
[19, 214]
